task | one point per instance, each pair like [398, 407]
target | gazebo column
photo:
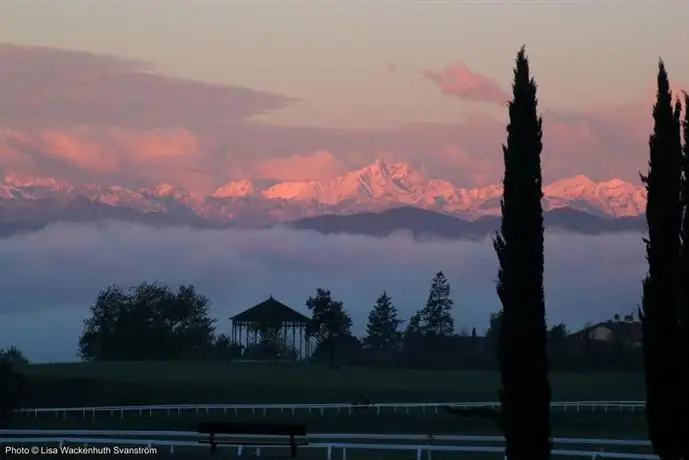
[294, 341]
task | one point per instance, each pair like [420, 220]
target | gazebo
[274, 323]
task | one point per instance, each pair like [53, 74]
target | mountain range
[376, 198]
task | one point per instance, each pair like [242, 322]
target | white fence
[63, 438]
[320, 436]
[179, 409]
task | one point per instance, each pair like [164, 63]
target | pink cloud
[157, 143]
[316, 165]
[77, 150]
[458, 80]
[120, 123]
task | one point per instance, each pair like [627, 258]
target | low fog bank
[51, 277]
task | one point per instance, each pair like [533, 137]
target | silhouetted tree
[224, 349]
[436, 316]
[557, 335]
[558, 346]
[383, 336]
[684, 276]
[659, 315]
[331, 325]
[414, 324]
[525, 391]
[147, 322]
[493, 331]
[14, 355]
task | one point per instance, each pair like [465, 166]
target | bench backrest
[252, 428]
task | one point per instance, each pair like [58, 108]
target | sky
[57, 273]
[199, 93]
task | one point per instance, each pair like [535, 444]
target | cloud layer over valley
[52, 276]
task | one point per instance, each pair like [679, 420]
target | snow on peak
[17, 180]
[235, 189]
[378, 185]
[164, 189]
[381, 180]
[570, 186]
[389, 168]
[615, 183]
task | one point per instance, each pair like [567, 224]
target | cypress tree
[661, 294]
[684, 277]
[525, 390]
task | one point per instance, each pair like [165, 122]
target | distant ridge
[420, 223]
[372, 200]
[423, 223]
[374, 188]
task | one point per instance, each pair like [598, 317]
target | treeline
[152, 321]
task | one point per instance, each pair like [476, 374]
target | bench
[242, 428]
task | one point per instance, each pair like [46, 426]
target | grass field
[244, 383]
[302, 383]
[149, 383]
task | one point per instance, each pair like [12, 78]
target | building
[620, 332]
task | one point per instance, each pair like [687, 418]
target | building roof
[630, 330]
[271, 311]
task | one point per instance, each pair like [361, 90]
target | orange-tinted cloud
[316, 165]
[458, 80]
[157, 143]
[90, 118]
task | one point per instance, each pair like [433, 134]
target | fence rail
[604, 406]
[319, 436]
[328, 447]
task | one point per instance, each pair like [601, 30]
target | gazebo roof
[270, 311]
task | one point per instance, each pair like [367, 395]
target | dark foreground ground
[96, 384]
[83, 384]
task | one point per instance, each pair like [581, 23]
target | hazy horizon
[56, 274]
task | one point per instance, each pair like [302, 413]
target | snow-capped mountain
[377, 187]
[383, 185]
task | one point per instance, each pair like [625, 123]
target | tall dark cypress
[661, 294]
[525, 390]
[684, 279]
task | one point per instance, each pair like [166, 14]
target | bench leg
[292, 446]
[214, 446]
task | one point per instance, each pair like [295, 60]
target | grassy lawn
[254, 383]
[215, 382]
